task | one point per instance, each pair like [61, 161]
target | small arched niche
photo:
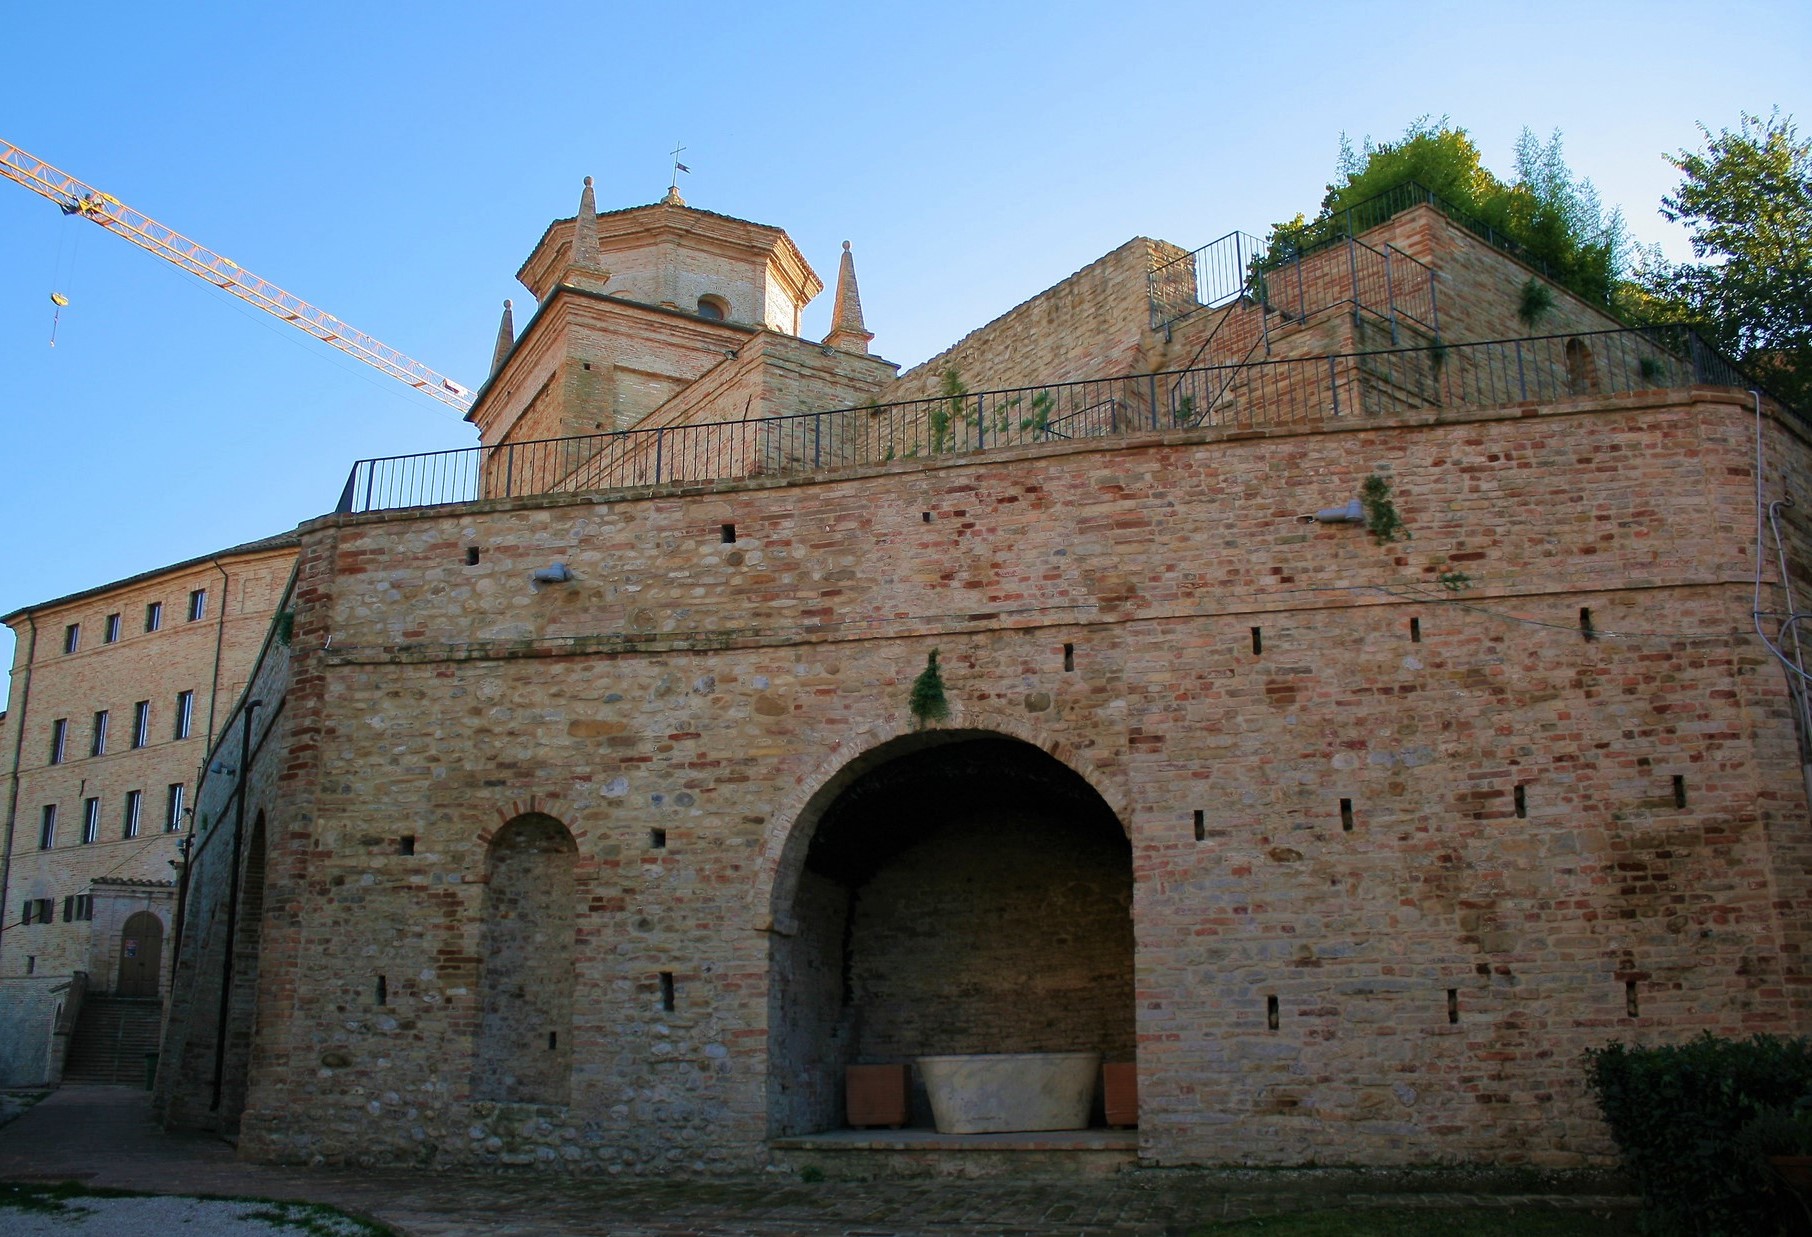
[523, 1052]
[1582, 369]
[713, 307]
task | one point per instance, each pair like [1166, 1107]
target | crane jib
[73, 197]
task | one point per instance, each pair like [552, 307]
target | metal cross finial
[678, 167]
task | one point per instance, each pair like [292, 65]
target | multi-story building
[116, 695]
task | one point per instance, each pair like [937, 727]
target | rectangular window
[173, 809]
[47, 910]
[68, 908]
[198, 604]
[111, 632]
[154, 616]
[47, 827]
[97, 744]
[72, 637]
[84, 907]
[28, 912]
[141, 723]
[185, 713]
[59, 740]
[134, 802]
[91, 821]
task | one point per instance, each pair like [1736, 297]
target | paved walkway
[104, 1136]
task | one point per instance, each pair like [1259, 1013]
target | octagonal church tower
[666, 315]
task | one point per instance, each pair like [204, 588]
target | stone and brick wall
[1095, 324]
[1353, 937]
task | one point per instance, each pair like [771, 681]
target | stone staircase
[112, 1036]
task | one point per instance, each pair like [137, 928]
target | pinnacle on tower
[506, 337]
[848, 332]
[673, 198]
[585, 230]
[583, 264]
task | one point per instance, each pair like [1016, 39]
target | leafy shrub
[1676, 1112]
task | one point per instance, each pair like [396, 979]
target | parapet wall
[1091, 325]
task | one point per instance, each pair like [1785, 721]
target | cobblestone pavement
[104, 1136]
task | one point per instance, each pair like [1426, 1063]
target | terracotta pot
[1120, 1093]
[1795, 1170]
[876, 1094]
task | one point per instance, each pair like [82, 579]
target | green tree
[1746, 202]
[1553, 214]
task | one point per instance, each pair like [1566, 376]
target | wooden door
[141, 953]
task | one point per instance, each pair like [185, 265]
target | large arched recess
[946, 891]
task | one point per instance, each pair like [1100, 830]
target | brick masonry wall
[715, 690]
[996, 935]
[1092, 325]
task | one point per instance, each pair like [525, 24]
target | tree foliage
[1746, 202]
[1555, 215]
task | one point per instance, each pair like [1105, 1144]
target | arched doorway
[524, 1044]
[947, 892]
[141, 955]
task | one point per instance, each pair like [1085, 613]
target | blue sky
[393, 163]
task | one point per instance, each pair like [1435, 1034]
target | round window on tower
[713, 307]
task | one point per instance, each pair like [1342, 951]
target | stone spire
[847, 330]
[506, 337]
[585, 230]
[583, 265]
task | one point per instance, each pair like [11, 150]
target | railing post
[509, 471]
[1302, 298]
[1522, 384]
[1352, 265]
[370, 476]
[1390, 298]
[345, 504]
[660, 437]
[1151, 395]
[817, 441]
[1434, 308]
[1334, 384]
[981, 423]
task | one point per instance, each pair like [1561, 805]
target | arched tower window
[525, 987]
[713, 307]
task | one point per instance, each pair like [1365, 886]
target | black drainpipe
[183, 845]
[232, 923]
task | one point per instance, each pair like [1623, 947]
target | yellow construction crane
[76, 198]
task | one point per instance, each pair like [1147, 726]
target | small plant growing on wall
[928, 702]
[1040, 420]
[1381, 518]
[1454, 581]
[1184, 412]
[1536, 301]
[947, 411]
[286, 626]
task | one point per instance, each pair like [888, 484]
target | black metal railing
[1256, 394]
[1213, 275]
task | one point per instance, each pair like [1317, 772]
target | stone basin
[1010, 1092]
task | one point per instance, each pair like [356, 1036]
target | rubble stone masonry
[1411, 825]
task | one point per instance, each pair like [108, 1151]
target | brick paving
[104, 1137]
